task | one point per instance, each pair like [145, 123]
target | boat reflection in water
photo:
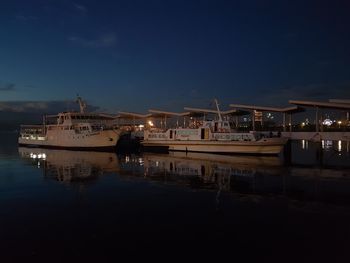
[70, 166]
[202, 170]
[247, 176]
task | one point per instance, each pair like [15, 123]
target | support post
[317, 121]
[290, 122]
[284, 122]
[253, 120]
[321, 122]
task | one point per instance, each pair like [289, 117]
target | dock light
[339, 123]
[150, 123]
[302, 124]
[327, 122]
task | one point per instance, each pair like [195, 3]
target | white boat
[72, 130]
[216, 136]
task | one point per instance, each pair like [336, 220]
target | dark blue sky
[136, 55]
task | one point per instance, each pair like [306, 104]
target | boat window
[216, 126]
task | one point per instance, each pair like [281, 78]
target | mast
[82, 104]
[44, 124]
[217, 108]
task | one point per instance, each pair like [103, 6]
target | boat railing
[32, 132]
[32, 129]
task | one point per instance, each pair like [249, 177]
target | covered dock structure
[232, 112]
[164, 115]
[318, 105]
[192, 114]
[285, 111]
[131, 118]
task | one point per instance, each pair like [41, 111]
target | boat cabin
[218, 126]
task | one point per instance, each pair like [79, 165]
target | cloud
[25, 18]
[81, 8]
[42, 107]
[103, 41]
[7, 86]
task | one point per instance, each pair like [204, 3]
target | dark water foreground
[69, 206]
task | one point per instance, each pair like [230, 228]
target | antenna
[217, 107]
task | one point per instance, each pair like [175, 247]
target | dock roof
[263, 108]
[204, 111]
[339, 101]
[160, 113]
[132, 115]
[330, 105]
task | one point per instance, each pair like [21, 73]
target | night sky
[135, 55]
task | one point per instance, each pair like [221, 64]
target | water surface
[65, 205]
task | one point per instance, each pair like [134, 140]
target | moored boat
[216, 136]
[72, 130]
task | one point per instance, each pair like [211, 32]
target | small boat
[216, 136]
[72, 130]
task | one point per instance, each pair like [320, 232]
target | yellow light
[150, 123]
[339, 122]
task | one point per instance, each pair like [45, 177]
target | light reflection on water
[263, 175]
[340, 146]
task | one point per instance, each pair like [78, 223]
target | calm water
[69, 205]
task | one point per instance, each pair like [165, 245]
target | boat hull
[103, 140]
[231, 147]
